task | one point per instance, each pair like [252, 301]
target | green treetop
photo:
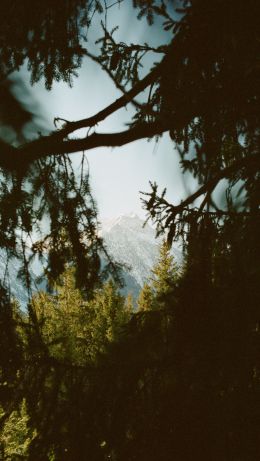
[162, 281]
[165, 272]
[110, 313]
[146, 298]
[74, 329]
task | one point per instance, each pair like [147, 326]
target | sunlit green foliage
[76, 330]
[66, 340]
[146, 298]
[102, 382]
[16, 435]
[161, 283]
[165, 273]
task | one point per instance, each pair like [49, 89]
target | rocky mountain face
[127, 241]
[134, 246]
[9, 273]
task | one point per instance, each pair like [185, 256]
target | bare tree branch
[104, 113]
[20, 158]
[12, 158]
[110, 74]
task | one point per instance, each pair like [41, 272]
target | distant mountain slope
[127, 241]
[134, 245]
[18, 291]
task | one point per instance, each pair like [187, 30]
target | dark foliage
[47, 34]
[182, 381]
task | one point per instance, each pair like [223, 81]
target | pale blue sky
[117, 175]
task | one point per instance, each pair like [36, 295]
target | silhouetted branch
[166, 212]
[13, 159]
[20, 158]
[210, 185]
[111, 108]
[110, 74]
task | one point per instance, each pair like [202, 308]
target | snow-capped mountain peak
[133, 244]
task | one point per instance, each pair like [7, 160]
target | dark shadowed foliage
[179, 378]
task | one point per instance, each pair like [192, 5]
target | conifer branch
[18, 159]
[126, 98]
[160, 207]
[13, 159]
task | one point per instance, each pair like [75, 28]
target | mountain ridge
[133, 243]
[128, 241]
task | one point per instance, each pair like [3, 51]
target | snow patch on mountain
[134, 245]
[128, 241]
[8, 275]
[131, 244]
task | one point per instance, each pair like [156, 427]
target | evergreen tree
[146, 299]
[67, 341]
[110, 314]
[61, 319]
[77, 330]
[164, 273]
[159, 289]
[129, 303]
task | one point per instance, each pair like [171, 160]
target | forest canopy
[176, 376]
